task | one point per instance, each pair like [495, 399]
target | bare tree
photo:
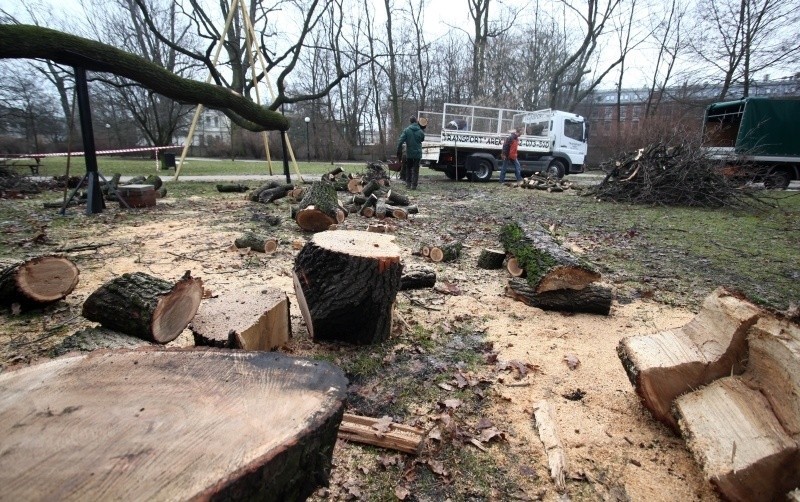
[668, 35]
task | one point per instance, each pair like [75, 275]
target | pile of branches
[681, 175]
[375, 171]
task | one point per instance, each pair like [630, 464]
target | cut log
[382, 433]
[169, 425]
[40, 280]
[371, 187]
[662, 366]
[417, 277]
[732, 432]
[370, 203]
[330, 175]
[273, 194]
[381, 211]
[513, 267]
[144, 306]
[319, 208]
[256, 242]
[354, 185]
[346, 283]
[446, 252]
[237, 188]
[267, 186]
[548, 266]
[546, 425]
[397, 212]
[249, 318]
[593, 299]
[397, 198]
[491, 259]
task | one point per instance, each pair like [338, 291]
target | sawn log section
[40, 280]
[169, 425]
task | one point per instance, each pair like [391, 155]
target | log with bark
[168, 424]
[319, 208]
[662, 366]
[491, 259]
[371, 187]
[593, 299]
[249, 318]
[449, 251]
[236, 188]
[417, 277]
[144, 306]
[253, 197]
[256, 242]
[37, 281]
[548, 266]
[273, 194]
[346, 283]
[397, 198]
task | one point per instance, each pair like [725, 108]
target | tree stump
[319, 208]
[547, 265]
[144, 306]
[593, 299]
[165, 424]
[40, 280]
[491, 259]
[250, 318]
[346, 283]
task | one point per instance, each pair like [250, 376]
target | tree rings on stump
[44, 279]
[346, 283]
[144, 306]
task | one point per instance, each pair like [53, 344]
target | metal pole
[94, 200]
[308, 142]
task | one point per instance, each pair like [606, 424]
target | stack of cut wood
[547, 183]
[679, 175]
[743, 427]
[375, 200]
[547, 276]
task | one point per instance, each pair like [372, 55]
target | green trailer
[756, 138]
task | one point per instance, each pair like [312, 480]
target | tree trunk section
[237, 188]
[417, 277]
[256, 243]
[319, 208]
[662, 366]
[273, 194]
[346, 283]
[144, 306]
[164, 424]
[547, 265]
[445, 252]
[250, 318]
[593, 299]
[267, 186]
[397, 198]
[491, 259]
[40, 280]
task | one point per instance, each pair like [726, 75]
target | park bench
[32, 163]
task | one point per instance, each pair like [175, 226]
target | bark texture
[593, 299]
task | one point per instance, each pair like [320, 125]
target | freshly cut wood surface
[169, 425]
[744, 450]
[144, 306]
[662, 366]
[249, 318]
[44, 279]
[383, 433]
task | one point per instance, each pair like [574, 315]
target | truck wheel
[483, 172]
[779, 180]
[451, 173]
[556, 169]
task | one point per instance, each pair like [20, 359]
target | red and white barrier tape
[100, 152]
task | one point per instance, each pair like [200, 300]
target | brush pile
[681, 175]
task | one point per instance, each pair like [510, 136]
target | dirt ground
[615, 450]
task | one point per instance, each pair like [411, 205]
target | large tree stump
[319, 208]
[662, 366]
[547, 265]
[144, 306]
[593, 299]
[249, 318]
[40, 280]
[346, 283]
[169, 425]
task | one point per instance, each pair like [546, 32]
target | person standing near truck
[412, 137]
[509, 155]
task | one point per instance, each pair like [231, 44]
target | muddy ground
[465, 362]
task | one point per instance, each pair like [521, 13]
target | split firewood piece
[249, 318]
[256, 243]
[491, 259]
[417, 277]
[273, 194]
[346, 283]
[354, 185]
[237, 188]
[513, 267]
[662, 366]
[547, 428]
[319, 209]
[382, 433]
[449, 251]
[40, 280]
[593, 299]
[99, 417]
[144, 306]
[397, 198]
[737, 439]
[548, 266]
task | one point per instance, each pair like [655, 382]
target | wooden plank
[382, 433]
[744, 450]
[169, 425]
